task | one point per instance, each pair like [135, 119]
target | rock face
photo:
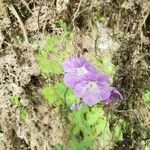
[41, 126]
[18, 70]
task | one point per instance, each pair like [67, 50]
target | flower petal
[115, 94]
[69, 65]
[76, 106]
[70, 80]
[91, 99]
[105, 92]
[103, 78]
[80, 89]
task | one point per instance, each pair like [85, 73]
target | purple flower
[115, 94]
[93, 90]
[78, 69]
[88, 84]
[76, 107]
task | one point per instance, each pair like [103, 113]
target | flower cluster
[88, 84]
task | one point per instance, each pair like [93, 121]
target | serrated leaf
[15, 101]
[61, 89]
[71, 98]
[51, 43]
[24, 114]
[55, 67]
[87, 142]
[44, 62]
[102, 129]
[68, 94]
[118, 133]
[101, 126]
[146, 96]
[107, 66]
[50, 94]
[75, 144]
[94, 115]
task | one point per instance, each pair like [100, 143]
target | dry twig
[13, 10]
[77, 11]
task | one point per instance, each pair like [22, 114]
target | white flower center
[81, 71]
[92, 86]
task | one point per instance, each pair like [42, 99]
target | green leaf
[15, 101]
[102, 129]
[64, 92]
[146, 96]
[48, 65]
[94, 115]
[118, 133]
[75, 144]
[24, 114]
[101, 126]
[107, 66]
[50, 94]
[64, 27]
[61, 89]
[58, 147]
[71, 98]
[51, 43]
[87, 142]
[55, 67]
[44, 62]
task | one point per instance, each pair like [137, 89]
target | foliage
[55, 94]
[50, 94]
[51, 43]
[24, 114]
[88, 125]
[65, 29]
[58, 147]
[107, 66]
[146, 96]
[48, 65]
[50, 58]
[118, 133]
[97, 119]
[15, 101]
[81, 132]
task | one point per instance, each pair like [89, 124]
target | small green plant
[50, 94]
[81, 132]
[58, 147]
[51, 43]
[15, 101]
[118, 133]
[55, 94]
[66, 31]
[50, 58]
[48, 65]
[107, 66]
[24, 114]
[146, 96]
[88, 125]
